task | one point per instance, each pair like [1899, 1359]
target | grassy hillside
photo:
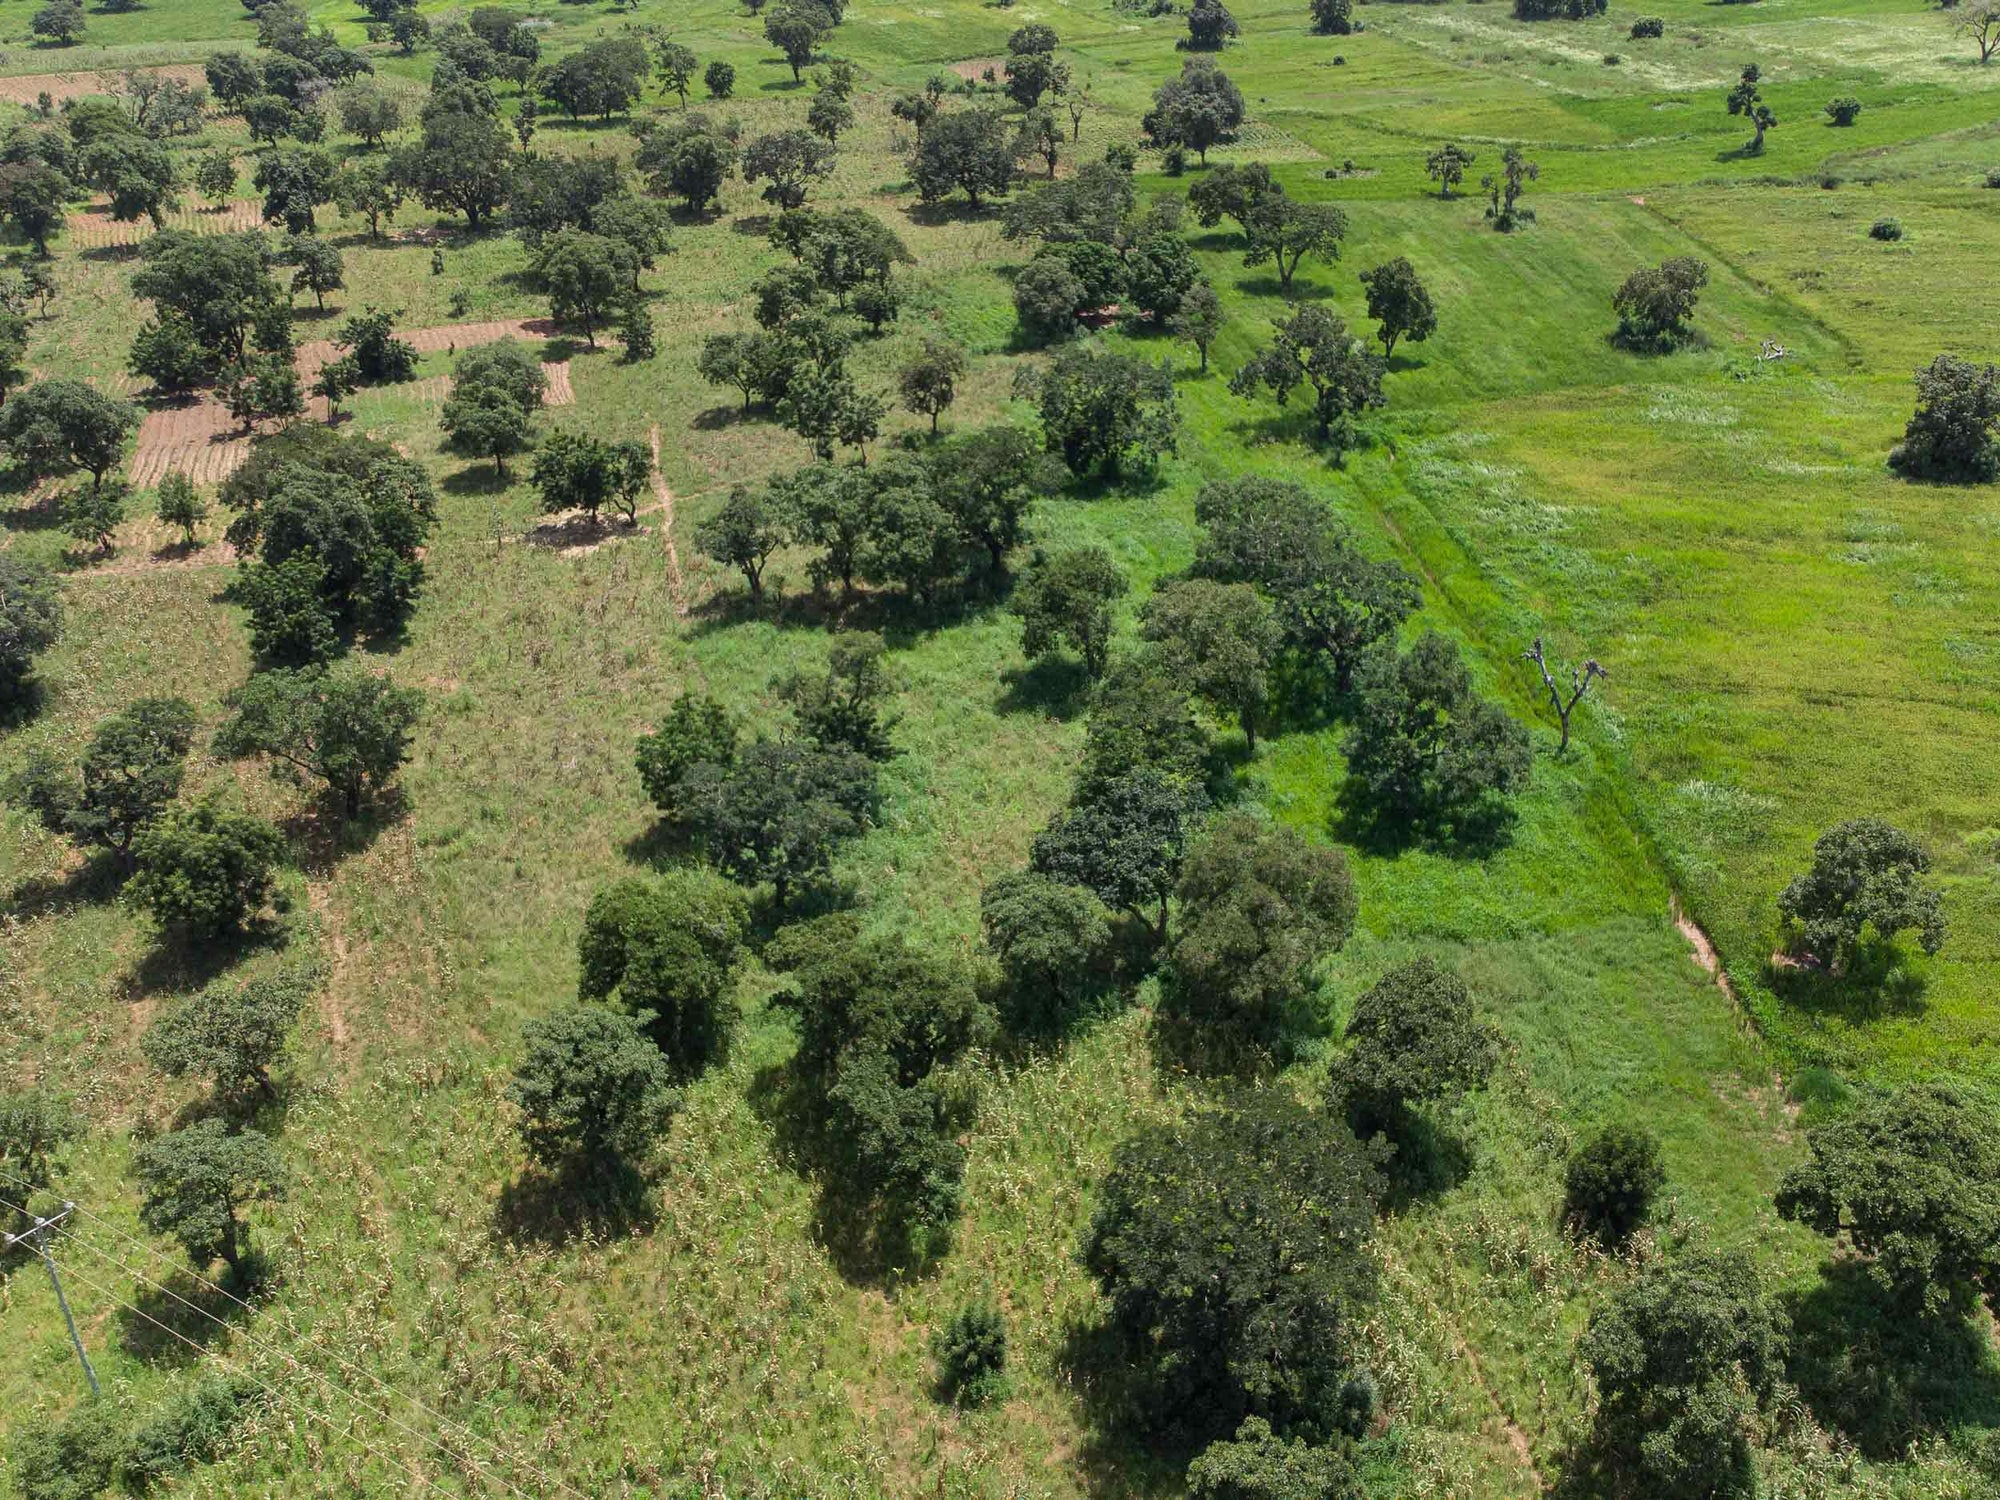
[1793, 637]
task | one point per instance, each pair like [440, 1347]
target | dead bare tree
[1579, 684]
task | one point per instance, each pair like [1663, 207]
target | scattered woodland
[1009, 749]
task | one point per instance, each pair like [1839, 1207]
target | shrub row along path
[202, 440]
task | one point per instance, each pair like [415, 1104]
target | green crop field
[1793, 635]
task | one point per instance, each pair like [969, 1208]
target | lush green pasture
[1793, 637]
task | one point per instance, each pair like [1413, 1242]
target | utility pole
[38, 1237]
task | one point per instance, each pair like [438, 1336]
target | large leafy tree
[1103, 412]
[1682, 1358]
[1232, 1248]
[694, 730]
[593, 1091]
[1866, 880]
[204, 869]
[788, 162]
[779, 812]
[844, 706]
[744, 533]
[1399, 303]
[1426, 751]
[688, 158]
[344, 727]
[667, 951]
[1912, 1182]
[1259, 905]
[1124, 841]
[601, 79]
[968, 150]
[129, 773]
[232, 1035]
[496, 390]
[1313, 348]
[222, 284]
[462, 161]
[196, 1182]
[31, 620]
[1414, 1038]
[1951, 434]
[1064, 601]
[586, 277]
[1052, 942]
[1333, 601]
[1221, 640]
[1197, 110]
[577, 471]
[58, 426]
[1654, 304]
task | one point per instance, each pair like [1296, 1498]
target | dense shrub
[666, 950]
[1886, 229]
[196, 1424]
[1844, 110]
[971, 1354]
[1610, 1183]
[205, 869]
[73, 1457]
[1413, 1039]
[1257, 1464]
[1951, 435]
[1655, 303]
[593, 1091]
[1867, 881]
[1648, 26]
[1052, 942]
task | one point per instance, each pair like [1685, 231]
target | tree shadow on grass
[479, 478]
[95, 880]
[1477, 833]
[608, 1201]
[1056, 687]
[179, 962]
[174, 1321]
[323, 835]
[950, 211]
[1884, 1376]
[715, 418]
[1120, 1456]
[1875, 985]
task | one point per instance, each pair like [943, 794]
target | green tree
[496, 389]
[594, 1093]
[1912, 1182]
[1314, 348]
[31, 620]
[1654, 304]
[788, 162]
[1052, 942]
[129, 773]
[1332, 17]
[76, 1456]
[1125, 842]
[829, 116]
[695, 730]
[368, 337]
[140, 176]
[1333, 601]
[13, 352]
[229, 1035]
[1210, 26]
[1047, 297]
[719, 78]
[585, 276]
[1064, 601]
[640, 228]
[345, 727]
[675, 65]
[929, 380]
[797, 30]
[1682, 1358]
[971, 1355]
[205, 869]
[600, 79]
[688, 158]
[1142, 719]
[912, 538]
[35, 1127]
[1103, 412]
[178, 504]
[575, 471]
[1284, 232]
[777, 814]
[1866, 882]
[1233, 1250]
[843, 707]
[369, 112]
[1198, 320]
[1257, 1464]
[1748, 101]
[989, 481]
[291, 621]
[1413, 1039]
[967, 150]
[743, 534]
[222, 284]
[320, 268]
[233, 77]
[823, 405]
[59, 21]
[1504, 189]
[1220, 639]
[1195, 111]
[33, 194]
[1259, 905]
[56, 427]
[1399, 303]
[1611, 1182]
[196, 1182]
[93, 515]
[1950, 437]
[462, 162]
[368, 190]
[198, 1422]
[667, 951]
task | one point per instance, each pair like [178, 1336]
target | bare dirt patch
[974, 69]
[29, 87]
[665, 498]
[559, 392]
[199, 438]
[93, 228]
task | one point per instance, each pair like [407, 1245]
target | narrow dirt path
[666, 499]
[332, 994]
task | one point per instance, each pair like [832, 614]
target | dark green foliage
[233, 77]
[576, 471]
[229, 1035]
[1333, 17]
[1103, 412]
[56, 427]
[1199, 109]
[966, 150]
[345, 727]
[1141, 719]
[291, 622]
[911, 539]
[496, 390]
[294, 184]
[971, 1354]
[1091, 204]
[1951, 435]
[33, 194]
[1220, 640]
[694, 730]
[1886, 230]
[1125, 841]
[177, 504]
[1047, 297]
[600, 79]
[843, 706]
[667, 951]
[1866, 884]
[1232, 191]
[743, 533]
[797, 30]
[1647, 27]
[778, 813]
[140, 176]
[687, 158]
[1233, 1250]
[1681, 1358]
[877, 1020]
[1748, 101]
[1557, 10]
[1030, 75]
[204, 868]
[1399, 303]
[222, 285]
[719, 78]
[197, 1423]
[1842, 111]
[1313, 348]
[1259, 1465]
[1610, 1183]
[61, 21]
[1504, 189]
[128, 774]
[1912, 1182]
[987, 482]
[929, 381]
[593, 1091]
[31, 621]
[585, 276]
[1052, 942]
[35, 1126]
[1426, 752]
[1259, 906]
[369, 338]
[463, 161]
[1413, 1039]
[1210, 26]
[1333, 601]
[1064, 600]
[196, 1181]
[76, 1456]
[788, 162]
[1655, 303]
[1160, 270]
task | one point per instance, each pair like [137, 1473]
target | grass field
[1793, 637]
